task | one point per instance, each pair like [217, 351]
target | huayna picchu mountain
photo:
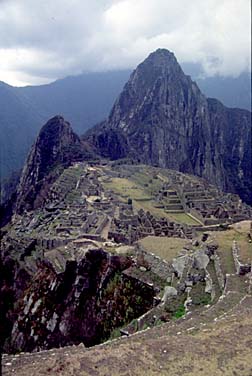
[55, 148]
[162, 118]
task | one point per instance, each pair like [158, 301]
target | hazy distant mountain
[19, 121]
[83, 100]
[233, 92]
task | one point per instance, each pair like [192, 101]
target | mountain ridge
[55, 148]
[162, 118]
[85, 100]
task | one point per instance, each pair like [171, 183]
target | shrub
[180, 312]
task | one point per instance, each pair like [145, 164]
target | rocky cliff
[55, 148]
[83, 303]
[161, 118]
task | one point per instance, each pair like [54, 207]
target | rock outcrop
[161, 118]
[84, 303]
[55, 148]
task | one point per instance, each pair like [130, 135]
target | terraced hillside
[116, 252]
[213, 342]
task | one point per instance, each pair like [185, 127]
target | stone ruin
[80, 215]
[205, 202]
[130, 227]
[186, 281]
[79, 207]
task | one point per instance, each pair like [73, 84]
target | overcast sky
[42, 40]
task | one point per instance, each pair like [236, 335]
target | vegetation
[121, 292]
[166, 248]
[225, 240]
[184, 218]
[179, 313]
[141, 185]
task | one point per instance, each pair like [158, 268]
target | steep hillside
[219, 347]
[19, 123]
[56, 147]
[83, 100]
[163, 119]
[116, 249]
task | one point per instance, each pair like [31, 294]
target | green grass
[127, 189]
[184, 218]
[142, 187]
[166, 248]
[225, 240]
[179, 313]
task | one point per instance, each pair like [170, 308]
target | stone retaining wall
[220, 276]
[211, 228]
[157, 265]
[118, 237]
[241, 268]
[101, 226]
[210, 285]
[96, 237]
[215, 221]
[52, 243]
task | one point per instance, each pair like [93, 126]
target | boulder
[168, 292]
[179, 264]
[201, 259]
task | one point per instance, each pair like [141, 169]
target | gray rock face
[179, 264]
[201, 259]
[168, 292]
[83, 303]
[57, 146]
[163, 119]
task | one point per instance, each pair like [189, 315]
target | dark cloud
[43, 40]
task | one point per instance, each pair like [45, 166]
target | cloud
[44, 40]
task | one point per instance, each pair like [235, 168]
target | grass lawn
[126, 188]
[241, 231]
[184, 218]
[225, 240]
[166, 248]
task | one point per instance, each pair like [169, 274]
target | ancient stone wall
[215, 221]
[219, 273]
[53, 242]
[210, 288]
[101, 226]
[158, 266]
[88, 222]
[143, 320]
[118, 237]
[96, 237]
[241, 268]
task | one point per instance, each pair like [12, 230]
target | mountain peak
[56, 147]
[160, 62]
[55, 125]
[162, 118]
[161, 56]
